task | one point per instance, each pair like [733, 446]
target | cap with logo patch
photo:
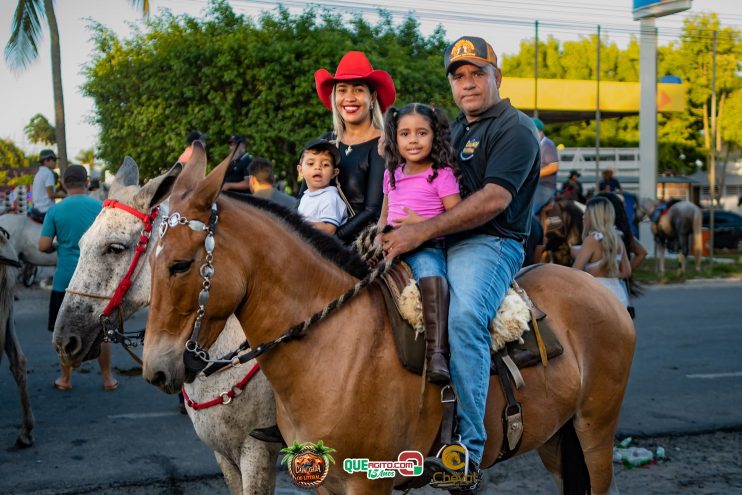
[469, 50]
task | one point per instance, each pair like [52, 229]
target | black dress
[361, 179]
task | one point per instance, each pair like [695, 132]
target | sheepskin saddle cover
[511, 328]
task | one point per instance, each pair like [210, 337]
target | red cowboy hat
[355, 66]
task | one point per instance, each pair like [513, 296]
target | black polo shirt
[501, 147]
[238, 169]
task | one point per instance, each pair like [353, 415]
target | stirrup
[447, 477]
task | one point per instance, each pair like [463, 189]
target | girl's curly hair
[441, 154]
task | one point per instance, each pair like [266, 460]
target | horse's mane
[330, 247]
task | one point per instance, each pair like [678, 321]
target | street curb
[695, 282]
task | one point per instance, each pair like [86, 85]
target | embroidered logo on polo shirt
[469, 148]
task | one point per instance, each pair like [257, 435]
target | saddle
[513, 347]
[405, 314]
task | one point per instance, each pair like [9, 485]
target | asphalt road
[686, 377]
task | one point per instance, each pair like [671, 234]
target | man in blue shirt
[67, 222]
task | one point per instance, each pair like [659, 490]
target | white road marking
[710, 376]
[144, 415]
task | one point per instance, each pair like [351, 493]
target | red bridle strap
[224, 398]
[125, 284]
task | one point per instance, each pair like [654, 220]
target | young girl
[421, 182]
[603, 254]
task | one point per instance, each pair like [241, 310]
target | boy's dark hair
[441, 154]
[262, 169]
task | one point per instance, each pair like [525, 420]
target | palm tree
[23, 48]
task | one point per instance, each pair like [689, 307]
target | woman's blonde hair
[601, 218]
[338, 123]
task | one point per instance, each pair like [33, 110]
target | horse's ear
[127, 175]
[156, 190]
[193, 172]
[211, 186]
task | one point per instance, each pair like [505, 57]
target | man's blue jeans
[480, 270]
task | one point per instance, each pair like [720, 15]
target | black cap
[75, 173]
[47, 154]
[574, 172]
[324, 145]
[236, 139]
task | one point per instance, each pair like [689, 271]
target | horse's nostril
[158, 379]
[73, 346]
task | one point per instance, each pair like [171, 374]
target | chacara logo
[308, 463]
[408, 463]
[454, 458]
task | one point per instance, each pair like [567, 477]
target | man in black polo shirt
[236, 177]
[498, 153]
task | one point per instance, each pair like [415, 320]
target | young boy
[321, 203]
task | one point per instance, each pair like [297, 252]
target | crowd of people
[463, 199]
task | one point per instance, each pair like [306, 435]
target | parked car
[727, 229]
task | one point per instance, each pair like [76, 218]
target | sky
[504, 23]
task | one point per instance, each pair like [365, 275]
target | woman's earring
[372, 106]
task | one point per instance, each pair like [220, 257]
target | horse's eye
[115, 248]
[180, 267]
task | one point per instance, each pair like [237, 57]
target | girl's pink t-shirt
[417, 194]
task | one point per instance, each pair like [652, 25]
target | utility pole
[535, 75]
[712, 157]
[597, 117]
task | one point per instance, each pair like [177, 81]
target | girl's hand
[410, 219]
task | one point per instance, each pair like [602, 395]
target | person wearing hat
[572, 187]
[236, 177]
[547, 184]
[67, 222]
[357, 95]
[321, 204]
[497, 149]
[42, 191]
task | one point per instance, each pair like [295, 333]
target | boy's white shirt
[323, 205]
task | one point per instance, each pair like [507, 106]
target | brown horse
[343, 382]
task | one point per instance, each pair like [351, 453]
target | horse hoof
[24, 441]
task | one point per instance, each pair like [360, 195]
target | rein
[195, 358]
[115, 332]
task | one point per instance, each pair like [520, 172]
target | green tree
[86, 156]
[683, 137]
[692, 59]
[12, 157]
[39, 130]
[23, 48]
[226, 73]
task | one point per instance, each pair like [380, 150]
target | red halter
[125, 284]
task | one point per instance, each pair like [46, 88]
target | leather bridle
[114, 332]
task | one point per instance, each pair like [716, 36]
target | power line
[355, 7]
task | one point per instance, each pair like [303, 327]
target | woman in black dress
[357, 95]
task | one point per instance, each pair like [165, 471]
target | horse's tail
[697, 232]
[575, 477]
